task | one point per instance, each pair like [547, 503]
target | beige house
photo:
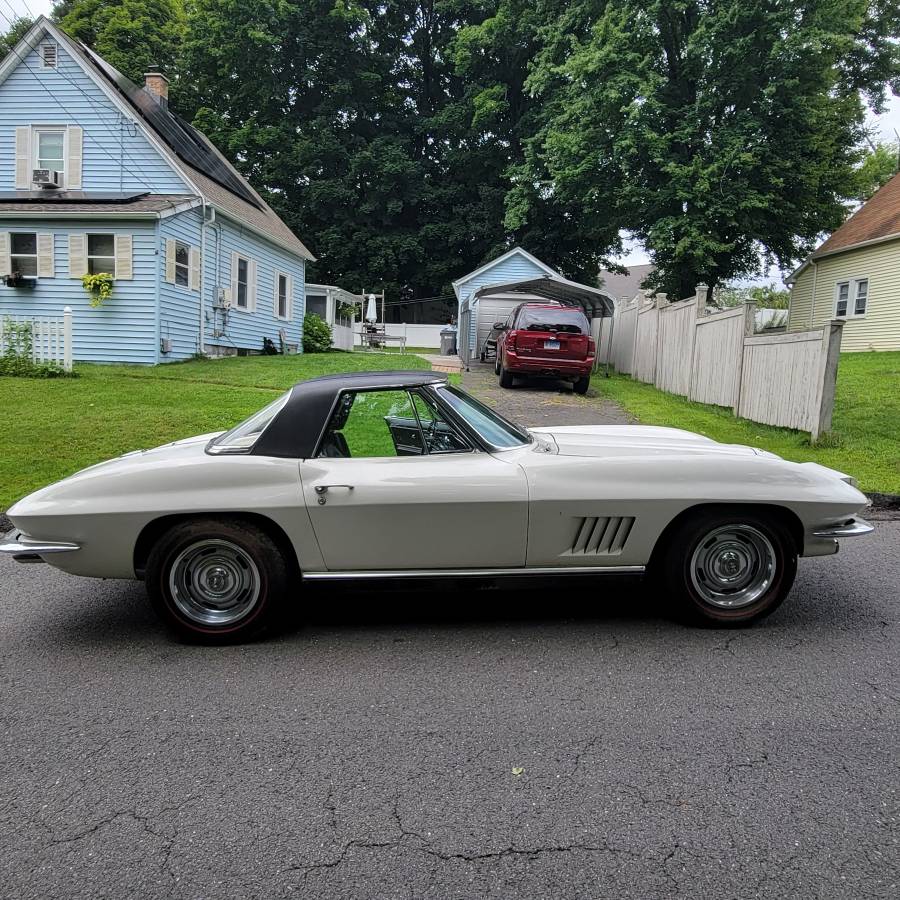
[855, 276]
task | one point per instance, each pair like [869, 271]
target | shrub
[316, 334]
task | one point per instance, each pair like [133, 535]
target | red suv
[547, 340]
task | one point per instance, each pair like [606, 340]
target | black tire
[581, 386]
[506, 377]
[700, 553]
[236, 556]
[497, 364]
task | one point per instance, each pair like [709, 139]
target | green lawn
[865, 440]
[52, 428]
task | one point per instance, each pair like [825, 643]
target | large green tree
[717, 131]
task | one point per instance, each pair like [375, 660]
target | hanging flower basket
[99, 287]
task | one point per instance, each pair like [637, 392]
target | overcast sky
[883, 126]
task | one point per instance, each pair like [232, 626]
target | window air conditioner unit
[46, 178]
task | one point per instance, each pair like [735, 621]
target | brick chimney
[157, 85]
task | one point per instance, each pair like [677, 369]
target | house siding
[117, 156]
[125, 328]
[242, 329]
[515, 268]
[179, 306]
[879, 329]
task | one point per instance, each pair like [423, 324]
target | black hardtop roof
[296, 429]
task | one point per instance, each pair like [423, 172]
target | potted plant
[18, 280]
[99, 287]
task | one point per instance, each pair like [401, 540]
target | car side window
[440, 436]
[379, 424]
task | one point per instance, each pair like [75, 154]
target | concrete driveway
[516, 745]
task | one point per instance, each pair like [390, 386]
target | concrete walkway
[545, 401]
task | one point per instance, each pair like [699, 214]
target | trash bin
[448, 341]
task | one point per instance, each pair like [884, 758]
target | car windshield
[491, 427]
[537, 318]
[242, 437]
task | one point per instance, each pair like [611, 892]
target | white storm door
[441, 511]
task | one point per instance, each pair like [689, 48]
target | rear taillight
[511, 340]
[592, 347]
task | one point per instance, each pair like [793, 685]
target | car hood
[634, 440]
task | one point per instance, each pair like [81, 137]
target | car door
[394, 486]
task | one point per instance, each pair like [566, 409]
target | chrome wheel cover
[733, 566]
[214, 582]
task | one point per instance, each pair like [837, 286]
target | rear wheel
[497, 364]
[581, 386]
[730, 569]
[216, 581]
[506, 377]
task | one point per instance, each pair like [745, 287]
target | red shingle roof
[878, 218]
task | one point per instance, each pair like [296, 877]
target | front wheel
[216, 581]
[728, 570]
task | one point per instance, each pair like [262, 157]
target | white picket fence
[51, 338]
[715, 357]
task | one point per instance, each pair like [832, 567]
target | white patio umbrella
[371, 312]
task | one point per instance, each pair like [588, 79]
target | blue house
[98, 175]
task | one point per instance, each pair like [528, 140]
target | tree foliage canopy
[409, 141]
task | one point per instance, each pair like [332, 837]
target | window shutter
[275, 294]
[170, 261]
[290, 297]
[45, 265]
[124, 265]
[234, 285]
[251, 286]
[4, 254]
[75, 137]
[195, 269]
[23, 158]
[77, 255]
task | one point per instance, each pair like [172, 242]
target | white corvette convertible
[399, 474]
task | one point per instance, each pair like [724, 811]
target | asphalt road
[491, 745]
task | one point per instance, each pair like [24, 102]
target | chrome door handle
[323, 488]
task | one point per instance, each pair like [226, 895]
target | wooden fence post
[827, 380]
[747, 331]
[67, 339]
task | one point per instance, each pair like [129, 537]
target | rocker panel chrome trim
[473, 573]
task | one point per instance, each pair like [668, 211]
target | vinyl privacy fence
[50, 338]
[715, 357]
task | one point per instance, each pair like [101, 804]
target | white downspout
[200, 324]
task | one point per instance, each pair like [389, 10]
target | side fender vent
[601, 535]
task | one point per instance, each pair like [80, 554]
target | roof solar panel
[180, 136]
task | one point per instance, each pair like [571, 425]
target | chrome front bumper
[853, 528]
[24, 549]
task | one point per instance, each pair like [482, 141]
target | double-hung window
[243, 280]
[851, 298]
[50, 149]
[23, 253]
[101, 254]
[283, 298]
[182, 264]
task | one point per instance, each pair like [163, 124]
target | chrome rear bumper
[853, 528]
[23, 549]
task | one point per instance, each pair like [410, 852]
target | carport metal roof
[596, 304]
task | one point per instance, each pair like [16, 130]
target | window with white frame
[243, 278]
[48, 56]
[101, 254]
[182, 264]
[50, 149]
[851, 298]
[283, 310]
[23, 255]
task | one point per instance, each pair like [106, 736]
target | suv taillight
[592, 346]
[511, 340]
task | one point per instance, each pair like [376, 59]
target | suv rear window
[537, 318]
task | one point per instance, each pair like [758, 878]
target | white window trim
[55, 56]
[237, 280]
[36, 130]
[852, 289]
[288, 300]
[36, 255]
[186, 266]
[87, 250]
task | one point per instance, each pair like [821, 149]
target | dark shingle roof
[141, 203]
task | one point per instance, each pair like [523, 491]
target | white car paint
[507, 509]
